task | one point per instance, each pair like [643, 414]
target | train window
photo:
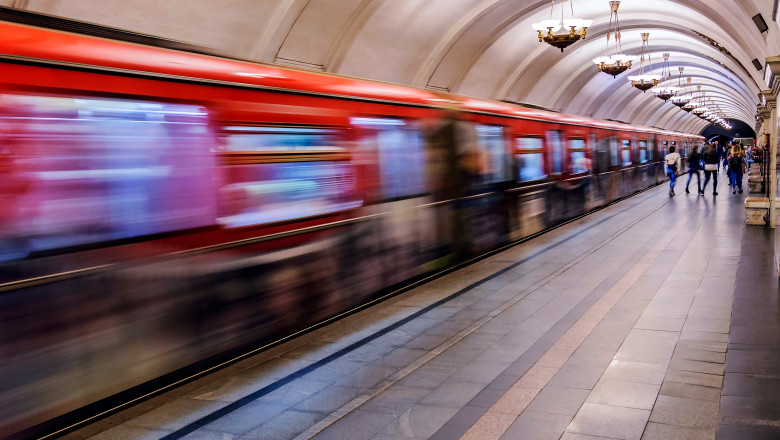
[530, 158]
[643, 152]
[625, 153]
[401, 155]
[282, 139]
[89, 170]
[555, 141]
[613, 151]
[491, 140]
[651, 150]
[664, 148]
[578, 159]
[282, 173]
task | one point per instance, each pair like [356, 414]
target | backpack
[735, 162]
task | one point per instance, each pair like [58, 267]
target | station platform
[655, 318]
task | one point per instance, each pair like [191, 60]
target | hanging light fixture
[666, 91]
[644, 81]
[702, 108]
[618, 62]
[574, 29]
[692, 103]
[680, 99]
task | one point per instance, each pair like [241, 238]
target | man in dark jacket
[694, 165]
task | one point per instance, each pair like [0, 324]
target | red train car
[164, 209]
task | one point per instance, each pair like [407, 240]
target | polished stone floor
[656, 318]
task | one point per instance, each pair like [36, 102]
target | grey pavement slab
[609, 421]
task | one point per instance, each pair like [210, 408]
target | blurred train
[162, 209]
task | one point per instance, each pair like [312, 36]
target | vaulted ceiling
[482, 48]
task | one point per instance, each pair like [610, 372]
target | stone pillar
[771, 129]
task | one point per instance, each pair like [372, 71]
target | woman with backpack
[694, 165]
[736, 164]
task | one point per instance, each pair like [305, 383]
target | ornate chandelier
[573, 28]
[692, 103]
[644, 81]
[667, 91]
[681, 99]
[618, 62]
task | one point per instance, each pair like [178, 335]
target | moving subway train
[162, 209]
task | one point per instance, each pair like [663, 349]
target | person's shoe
[714, 193]
[687, 190]
[733, 191]
[740, 190]
[671, 193]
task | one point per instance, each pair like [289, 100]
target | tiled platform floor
[621, 325]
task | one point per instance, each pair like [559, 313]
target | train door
[532, 179]
[576, 181]
[402, 237]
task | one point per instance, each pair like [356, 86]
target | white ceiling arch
[483, 48]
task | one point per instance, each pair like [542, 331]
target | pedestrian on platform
[694, 165]
[736, 164]
[672, 165]
[718, 149]
[711, 161]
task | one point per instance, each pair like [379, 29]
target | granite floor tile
[697, 366]
[453, 393]
[697, 336]
[419, 421]
[609, 421]
[690, 391]
[735, 432]
[559, 400]
[759, 409]
[573, 436]
[659, 431]
[700, 355]
[284, 426]
[246, 418]
[533, 425]
[651, 337]
[698, 414]
[641, 372]
[591, 358]
[294, 392]
[746, 385]
[654, 354]
[707, 325]
[757, 362]
[690, 377]
[710, 312]
[656, 323]
[624, 394]
[486, 398]
[572, 376]
[719, 347]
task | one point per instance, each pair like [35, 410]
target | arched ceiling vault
[482, 48]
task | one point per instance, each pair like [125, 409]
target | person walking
[694, 165]
[672, 161]
[725, 159]
[711, 160]
[736, 164]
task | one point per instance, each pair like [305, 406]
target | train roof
[35, 44]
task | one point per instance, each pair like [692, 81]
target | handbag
[710, 167]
